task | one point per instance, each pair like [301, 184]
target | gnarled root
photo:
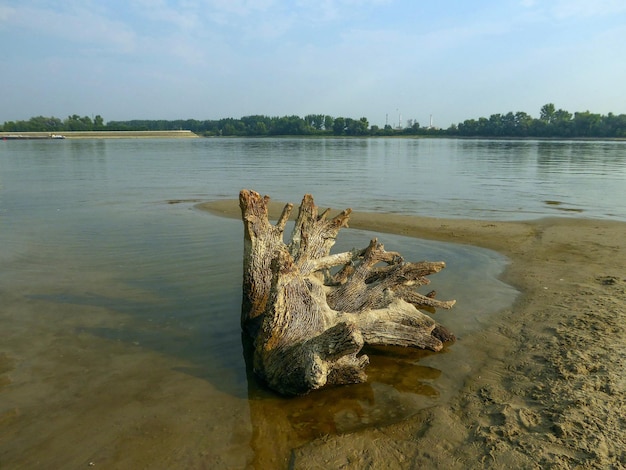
[309, 325]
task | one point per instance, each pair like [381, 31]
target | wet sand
[550, 391]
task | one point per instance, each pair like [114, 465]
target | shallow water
[121, 301]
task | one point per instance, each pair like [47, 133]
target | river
[120, 300]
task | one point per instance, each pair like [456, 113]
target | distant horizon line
[399, 121]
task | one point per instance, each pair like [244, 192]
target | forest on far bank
[551, 123]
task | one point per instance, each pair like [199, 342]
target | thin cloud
[574, 9]
[77, 25]
[587, 9]
[184, 17]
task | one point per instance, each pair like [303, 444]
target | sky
[386, 60]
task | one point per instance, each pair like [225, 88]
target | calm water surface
[100, 240]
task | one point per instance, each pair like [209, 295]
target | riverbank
[98, 135]
[549, 389]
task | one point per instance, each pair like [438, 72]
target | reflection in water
[397, 388]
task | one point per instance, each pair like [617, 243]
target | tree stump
[309, 312]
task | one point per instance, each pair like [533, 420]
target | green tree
[363, 126]
[44, 124]
[228, 129]
[614, 126]
[508, 124]
[495, 125]
[546, 113]
[289, 125]
[339, 126]
[315, 121]
[328, 123]
[98, 122]
[468, 127]
[587, 124]
[562, 123]
[261, 128]
[77, 123]
[523, 123]
[354, 127]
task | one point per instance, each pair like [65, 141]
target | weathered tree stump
[309, 324]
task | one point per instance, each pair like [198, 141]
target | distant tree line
[257, 125]
[54, 124]
[552, 123]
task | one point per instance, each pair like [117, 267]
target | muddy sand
[551, 391]
[547, 387]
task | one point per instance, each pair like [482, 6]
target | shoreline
[38, 135]
[98, 135]
[551, 391]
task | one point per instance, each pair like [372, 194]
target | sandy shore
[551, 392]
[101, 135]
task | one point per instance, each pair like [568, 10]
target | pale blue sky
[208, 59]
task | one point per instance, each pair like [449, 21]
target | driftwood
[308, 322]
